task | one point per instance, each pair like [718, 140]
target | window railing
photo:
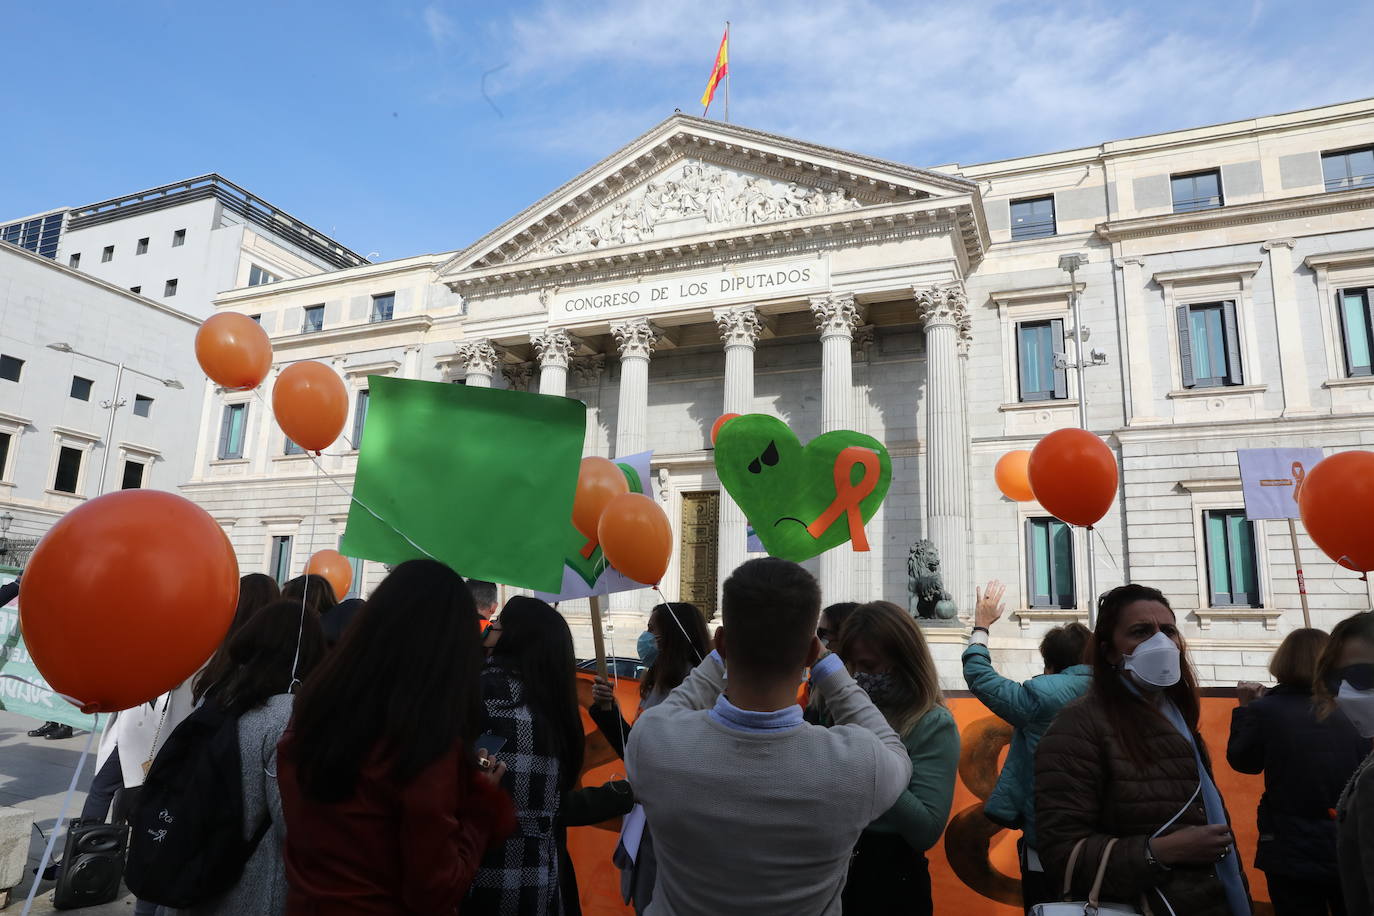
[1346, 182]
[1193, 204]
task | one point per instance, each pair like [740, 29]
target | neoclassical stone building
[1223, 278]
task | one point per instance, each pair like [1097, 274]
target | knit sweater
[921, 811]
[758, 812]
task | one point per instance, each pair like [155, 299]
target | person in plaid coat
[530, 697]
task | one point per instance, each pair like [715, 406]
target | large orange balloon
[311, 405]
[334, 567]
[598, 482]
[1074, 475]
[1012, 477]
[1336, 502]
[636, 538]
[126, 597]
[233, 350]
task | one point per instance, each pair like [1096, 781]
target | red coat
[389, 850]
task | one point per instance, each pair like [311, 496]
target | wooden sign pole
[1302, 582]
[599, 641]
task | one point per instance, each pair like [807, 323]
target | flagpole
[727, 72]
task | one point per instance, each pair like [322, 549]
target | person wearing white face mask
[1345, 679]
[1123, 776]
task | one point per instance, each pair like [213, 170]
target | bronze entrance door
[700, 528]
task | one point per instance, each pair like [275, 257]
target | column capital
[1279, 243]
[635, 338]
[518, 375]
[945, 306]
[478, 356]
[588, 369]
[554, 346]
[739, 325]
[836, 314]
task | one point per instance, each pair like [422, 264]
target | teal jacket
[922, 809]
[1029, 708]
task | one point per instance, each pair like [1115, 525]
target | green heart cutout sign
[802, 501]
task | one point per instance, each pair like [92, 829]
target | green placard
[482, 479]
[35, 698]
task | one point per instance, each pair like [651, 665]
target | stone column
[1138, 363]
[944, 311]
[479, 358]
[837, 315]
[1297, 397]
[555, 349]
[635, 339]
[739, 329]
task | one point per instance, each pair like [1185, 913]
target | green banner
[482, 479]
[34, 699]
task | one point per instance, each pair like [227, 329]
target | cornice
[1328, 260]
[239, 297]
[1209, 272]
[1303, 207]
[1029, 293]
[414, 323]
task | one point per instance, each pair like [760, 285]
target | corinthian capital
[555, 347]
[478, 356]
[635, 338]
[837, 315]
[945, 305]
[587, 369]
[739, 326]
[518, 375]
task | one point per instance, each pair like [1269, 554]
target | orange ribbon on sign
[1299, 474]
[848, 495]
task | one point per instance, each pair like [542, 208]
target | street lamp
[115, 402]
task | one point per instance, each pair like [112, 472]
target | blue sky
[408, 127]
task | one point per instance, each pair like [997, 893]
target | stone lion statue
[928, 599]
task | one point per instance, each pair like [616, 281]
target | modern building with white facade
[1223, 274]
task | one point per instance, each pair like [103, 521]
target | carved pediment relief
[691, 197]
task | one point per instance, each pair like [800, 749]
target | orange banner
[973, 868]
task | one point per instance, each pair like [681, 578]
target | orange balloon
[1011, 476]
[1336, 502]
[126, 597]
[598, 482]
[636, 538]
[311, 405]
[334, 567]
[233, 350]
[1073, 473]
[720, 421]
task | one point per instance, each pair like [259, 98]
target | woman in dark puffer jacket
[1125, 762]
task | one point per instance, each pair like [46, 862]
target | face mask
[1155, 662]
[648, 648]
[1358, 706]
[879, 687]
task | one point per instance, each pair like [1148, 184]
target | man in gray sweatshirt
[752, 809]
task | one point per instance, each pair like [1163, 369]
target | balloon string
[673, 614]
[305, 591]
[72, 700]
[62, 816]
[1108, 549]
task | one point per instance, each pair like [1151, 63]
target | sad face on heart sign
[801, 501]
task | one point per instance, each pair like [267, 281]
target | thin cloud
[440, 25]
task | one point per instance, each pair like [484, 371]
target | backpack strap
[258, 834]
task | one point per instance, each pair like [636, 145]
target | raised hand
[989, 608]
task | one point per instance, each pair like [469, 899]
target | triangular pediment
[690, 177]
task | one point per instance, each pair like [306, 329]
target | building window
[107, 254]
[1037, 345]
[1231, 566]
[133, 475]
[257, 276]
[383, 306]
[1049, 564]
[314, 319]
[74, 260]
[6, 439]
[232, 429]
[143, 405]
[81, 388]
[68, 469]
[11, 367]
[360, 417]
[1209, 345]
[178, 238]
[142, 246]
[1357, 329]
[257, 319]
[170, 289]
[281, 558]
[292, 448]
[136, 289]
[1032, 218]
[1196, 191]
[1351, 168]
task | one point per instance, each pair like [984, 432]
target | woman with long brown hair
[884, 649]
[1123, 773]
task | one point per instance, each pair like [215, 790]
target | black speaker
[92, 866]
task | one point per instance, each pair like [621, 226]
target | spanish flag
[719, 71]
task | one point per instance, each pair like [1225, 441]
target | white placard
[737, 284]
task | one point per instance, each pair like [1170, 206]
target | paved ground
[34, 774]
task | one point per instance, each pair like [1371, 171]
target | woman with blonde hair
[885, 650]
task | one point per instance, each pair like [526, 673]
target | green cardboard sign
[482, 479]
[802, 501]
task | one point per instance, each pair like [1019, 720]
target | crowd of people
[421, 752]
